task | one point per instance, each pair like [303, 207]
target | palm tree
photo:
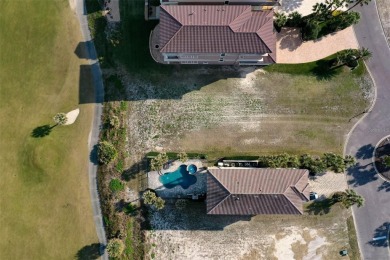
[364, 53]
[351, 198]
[357, 2]
[60, 119]
[158, 162]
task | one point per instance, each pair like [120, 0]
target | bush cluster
[324, 20]
[116, 185]
[315, 164]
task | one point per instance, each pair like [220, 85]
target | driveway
[372, 220]
[291, 49]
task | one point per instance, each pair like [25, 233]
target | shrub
[116, 185]
[114, 122]
[115, 247]
[314, 164]
[334, 162]
[311, 30]
[106, 152]
[183, 157]
[280, 161]
[280, 21]
[130, 209]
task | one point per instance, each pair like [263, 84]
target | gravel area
[178, 192]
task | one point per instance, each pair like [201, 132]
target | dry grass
[224, 111]
[45, 203]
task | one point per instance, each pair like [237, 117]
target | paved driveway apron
[372, 220]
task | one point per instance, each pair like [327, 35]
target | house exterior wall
[217, 58]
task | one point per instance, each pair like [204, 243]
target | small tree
[115, 247]
[150, 198]
[183, 157]
[348, 198]
[60, 119]
[158, 162]
[159, 203]
[106, 152]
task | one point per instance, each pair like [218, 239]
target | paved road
[95, 127]
[372, 220]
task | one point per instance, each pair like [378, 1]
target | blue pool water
[179, 177]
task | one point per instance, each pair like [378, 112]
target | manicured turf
[45, 208]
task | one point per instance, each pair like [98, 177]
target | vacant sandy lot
[191, 234]
[227, 110]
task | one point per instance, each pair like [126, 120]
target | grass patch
[45, 203]
[354, 252]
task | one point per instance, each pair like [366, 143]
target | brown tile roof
[238, 191]
[216, 28]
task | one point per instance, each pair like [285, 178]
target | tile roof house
[243, 191]
[214, 34]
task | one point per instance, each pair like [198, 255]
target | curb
[373, 160]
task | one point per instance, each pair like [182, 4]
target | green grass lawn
[45, 207]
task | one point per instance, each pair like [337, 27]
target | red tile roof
[256, 191]
[210, 29]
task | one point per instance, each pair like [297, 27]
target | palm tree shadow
[42, 131]
[89, 252]
[381, 231]
[324, 71]
[319, 207]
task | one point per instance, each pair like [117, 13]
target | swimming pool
[179, 177]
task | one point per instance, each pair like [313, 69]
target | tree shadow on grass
[42, 131]
[93, 156]
[319, 207]
[381, 232]
[324, 71]
[92, 251]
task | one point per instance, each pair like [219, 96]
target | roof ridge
[300, 211]
[227, 196]
[162, 49]
[238, 16]
[219, 181]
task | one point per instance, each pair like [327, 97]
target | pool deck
[178, 192]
